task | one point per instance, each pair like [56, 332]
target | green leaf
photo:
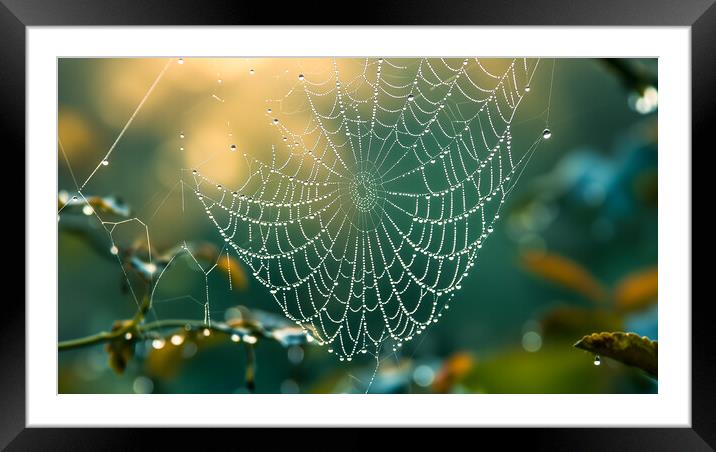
[628, 348]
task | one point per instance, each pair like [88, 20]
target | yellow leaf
[166, 361]
[564, 272]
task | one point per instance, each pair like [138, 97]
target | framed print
[475, 216]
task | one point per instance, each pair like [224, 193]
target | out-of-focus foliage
[637, 291]
[565, 272]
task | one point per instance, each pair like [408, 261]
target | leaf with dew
[628, 348]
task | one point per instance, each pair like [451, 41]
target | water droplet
[194, 171]
[275, 121]
[181, 135]
[177, 339]
[546, 134]
[597, 360]
[158, 343]
[180, 61]
[252, 71]
[114, 250]
[87, 210]
[411, 97]
[301, 77]
[232, 148]
[527, 89]
[105, 162]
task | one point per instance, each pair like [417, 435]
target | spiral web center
[364, 191]
[364, 229]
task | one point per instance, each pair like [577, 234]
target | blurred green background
[574, 253]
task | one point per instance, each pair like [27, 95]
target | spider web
[387, 177]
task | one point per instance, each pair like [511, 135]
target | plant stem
[106, 336]
[136, 326]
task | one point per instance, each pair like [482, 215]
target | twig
[107, 336]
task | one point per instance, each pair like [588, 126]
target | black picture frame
[699, 15]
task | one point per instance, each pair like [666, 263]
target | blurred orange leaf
[453, 369]
[637, 291]
[234, 270]
[564, 272]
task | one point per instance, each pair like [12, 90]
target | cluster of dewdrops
[401, 196]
